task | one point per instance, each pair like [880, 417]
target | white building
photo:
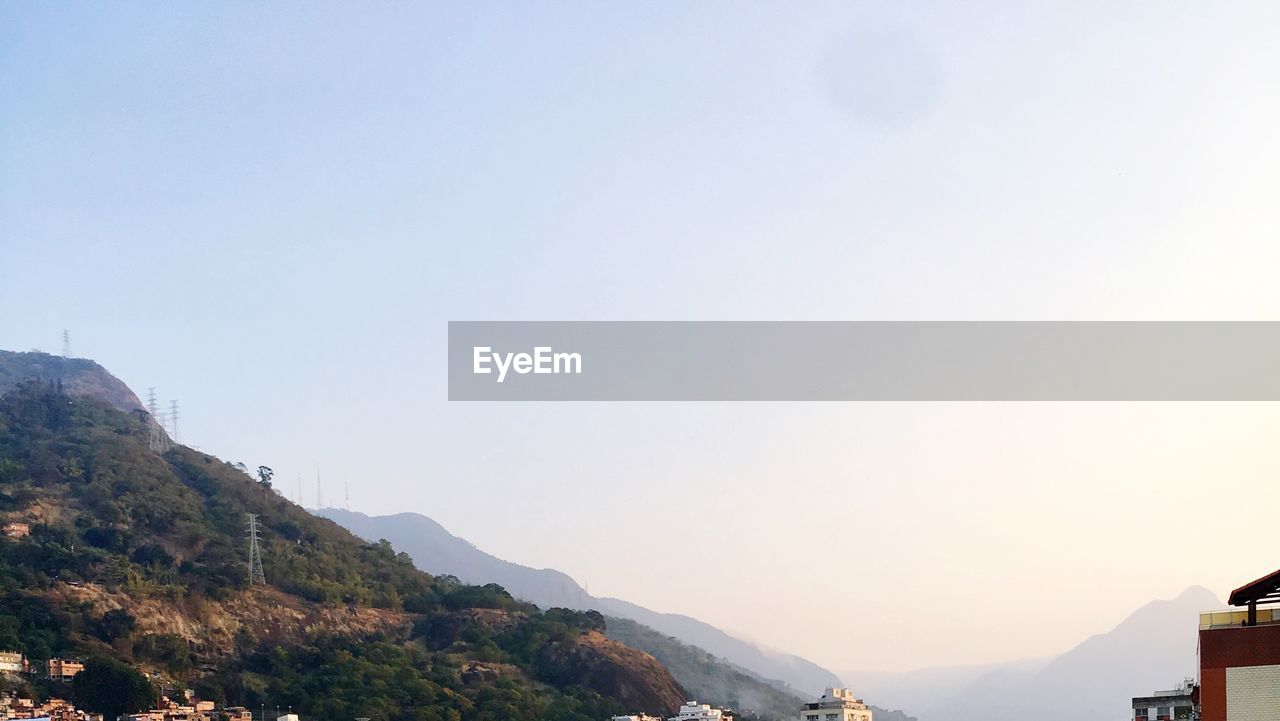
[641, 717]
[11, 661]
[837, 704]
[694, 711]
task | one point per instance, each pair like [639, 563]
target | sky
[269, 212]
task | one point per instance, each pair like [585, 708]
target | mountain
[137, 556]
[436, 550]
[1154, 648]
[928, 690]
[714, 679]
[78, 377]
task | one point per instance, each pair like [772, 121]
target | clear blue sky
[269, 212]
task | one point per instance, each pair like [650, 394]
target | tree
[264, 475]
[112, 688]
[114, 624]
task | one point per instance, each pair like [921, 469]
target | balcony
[1231, 619]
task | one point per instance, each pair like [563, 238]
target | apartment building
[694, 711]
[837, 704]
[1240, 655]
[1174, 705]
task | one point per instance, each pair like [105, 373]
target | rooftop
[1263, 590]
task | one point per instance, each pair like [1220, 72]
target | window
[1139, 714]
[1164, 713]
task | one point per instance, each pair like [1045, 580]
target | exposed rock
[78, 376]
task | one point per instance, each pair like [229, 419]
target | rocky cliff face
[79, 377]
[615, 670]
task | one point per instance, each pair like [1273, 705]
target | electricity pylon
[256, 576]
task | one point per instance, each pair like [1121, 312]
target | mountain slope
[714, 679]
[436, 550]
[138, 556]
[79, 377]
[1153, 648]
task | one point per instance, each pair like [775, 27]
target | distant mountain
[1153, 649]
[435, 550]
[713, 679]
[805, 677]
[927, 690]
[79, 377]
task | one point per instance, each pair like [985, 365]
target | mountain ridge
[1152, 648]
[77, 377]
[435, 547]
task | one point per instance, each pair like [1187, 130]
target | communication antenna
[319, 494]
[66, 343]
[346, 487]
[173, 418]
[299, 489]
[256, 577]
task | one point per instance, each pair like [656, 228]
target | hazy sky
[270, 211]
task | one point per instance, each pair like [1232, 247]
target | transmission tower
[256, 578]
[66, 343]
[173, 419]
[158, 439]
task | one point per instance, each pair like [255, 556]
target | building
[837, 704]
[640, 717]
[1240, 655]
[17, 530]
[238, 713]
[12, 662]
[64, 669]
[694, 711]
[1172, 705]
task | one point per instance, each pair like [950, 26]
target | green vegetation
[710, 678]
[138, 559]
[112, 688]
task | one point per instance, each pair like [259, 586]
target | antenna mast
[256, 577]
[66, 343]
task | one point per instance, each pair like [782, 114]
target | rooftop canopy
[1263, 590]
